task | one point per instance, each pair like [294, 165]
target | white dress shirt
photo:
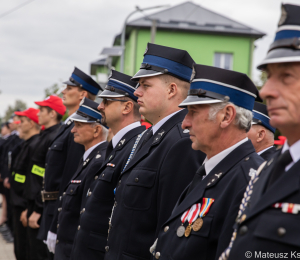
[162, 121]
[259, 153]
[209, 164]
[294, 151]
[88, 151]
[124, 131]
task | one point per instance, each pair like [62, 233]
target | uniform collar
[294, 151]
[209, 164]
[15, 132]
[123, 131]
[88, 151]
[67, 120]
[162, 121]
[262, 151]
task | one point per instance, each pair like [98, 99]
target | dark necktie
[279, 167]
[109, 149]
[197, 178]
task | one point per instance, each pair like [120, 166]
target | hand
[6, 183]
[33, 220]
[23, 218]
[51, 241]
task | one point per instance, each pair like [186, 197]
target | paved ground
[6, 250]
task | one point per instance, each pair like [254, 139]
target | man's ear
[172, 90]
[83, 93]
[227, 115]
[127, 107]
[97, 131]
[261, 135]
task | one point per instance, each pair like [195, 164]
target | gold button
[246, 159]
[57, 226]
[96, 177]
[103, 175]
[157, 255]
[243, 230]
[71, 191]
[106, 248]
[120, 182]
[59, 209]
[64, 194]
[57, 241]
[166, 228]
[78, 227]
[60, 197]
[136, 179]
[90, 193]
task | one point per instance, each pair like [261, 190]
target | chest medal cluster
[194, 216]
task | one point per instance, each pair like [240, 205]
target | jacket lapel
[216, 174]
[287, 184]
[157, 137]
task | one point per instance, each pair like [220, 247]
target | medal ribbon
[184, 216]
[206, 204]
[287, 207]
[193, 214]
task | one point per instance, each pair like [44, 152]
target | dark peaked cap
[261, 117]
[215, 85]
[82, 80]
[160, 60]
[119, 85]
[286, 45]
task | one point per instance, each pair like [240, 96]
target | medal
[192, 216]
[181, 229]
[198, 224]
[206, 204]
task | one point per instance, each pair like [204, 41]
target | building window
[223, 60]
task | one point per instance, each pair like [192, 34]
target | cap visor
[280, 56]
[108, 93]
[145, 73]
[41, 103]
[195, 100]
[18, 113]
[68, 82]
[83, 119]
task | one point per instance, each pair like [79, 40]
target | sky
[41, 42]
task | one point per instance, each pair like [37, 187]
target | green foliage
[53, 90]
[19, 105]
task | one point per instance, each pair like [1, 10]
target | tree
[19, 105]
[53, 90]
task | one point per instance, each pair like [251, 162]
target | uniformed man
[152, 181]
[120, 113]
[12, 143]
[29, 130]
[89, 132]
[261, 132]
[220, 106]
[62, 154]
[50, 115]
[268, 222]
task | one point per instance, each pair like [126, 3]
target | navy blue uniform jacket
[225, 184]
[267, 229]
[149, 188]
[61, 163]
[91, 238]
[72, 199]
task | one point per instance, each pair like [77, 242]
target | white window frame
[222, 60]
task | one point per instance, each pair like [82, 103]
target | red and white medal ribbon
[184, 216]
[287, 207]
[193, 214]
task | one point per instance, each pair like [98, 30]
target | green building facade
[210, 38]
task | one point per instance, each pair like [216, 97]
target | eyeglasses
[105, 100]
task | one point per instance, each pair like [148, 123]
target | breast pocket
[104, 189]
[57, 146]
[71, 198]
[280, 227]
[139, 189]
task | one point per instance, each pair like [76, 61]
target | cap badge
[283, 16]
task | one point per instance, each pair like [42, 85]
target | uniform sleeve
[75, 152]
[176, 172]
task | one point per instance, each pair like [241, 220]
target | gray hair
[243, 117]
[104, 130]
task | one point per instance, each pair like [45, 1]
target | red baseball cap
[31, 113]
[53, 102]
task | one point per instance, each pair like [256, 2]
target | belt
[49, 195]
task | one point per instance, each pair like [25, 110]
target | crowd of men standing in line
[203, 182]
